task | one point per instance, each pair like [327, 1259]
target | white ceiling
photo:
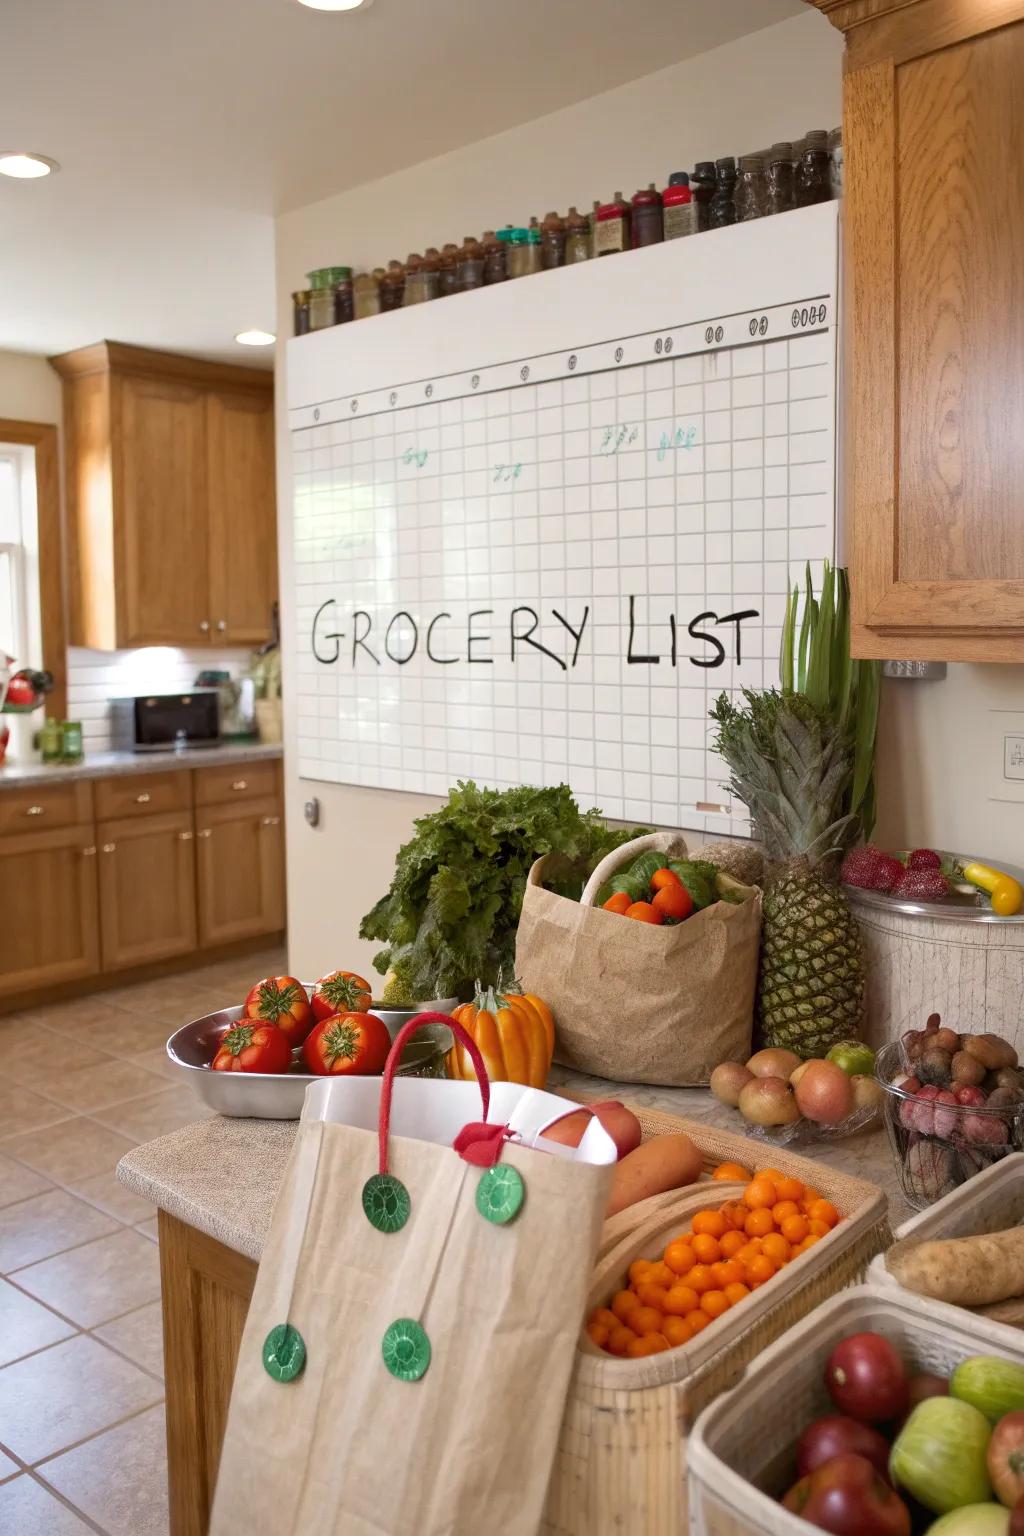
[183, 126]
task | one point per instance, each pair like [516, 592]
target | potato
[946, 1039]
[966, 1271]
[728, 1080]
[773, 1062]
[768, 1101]
[991, 1050]
[664, 1162]
[621, 1124]
[967, 1069]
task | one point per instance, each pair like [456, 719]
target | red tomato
[673, 901]
[847, 1496]
[837, 1435]
[866, 1379]
[352, 1043]
[340, 992]
[281, 1000]
[249, 1046]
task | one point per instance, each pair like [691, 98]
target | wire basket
[938, 1147]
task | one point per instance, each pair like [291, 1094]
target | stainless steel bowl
[279, 1095]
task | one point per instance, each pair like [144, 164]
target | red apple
[838, 1435]
[847, 1497]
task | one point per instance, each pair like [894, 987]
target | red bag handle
[394, 1056]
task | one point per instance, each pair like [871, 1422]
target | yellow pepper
[1005, 892]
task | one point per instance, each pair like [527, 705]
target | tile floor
[81, 1365]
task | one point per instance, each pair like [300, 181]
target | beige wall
[29, 388]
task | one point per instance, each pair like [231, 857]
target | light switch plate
[1004, 754]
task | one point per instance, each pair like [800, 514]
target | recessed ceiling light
[337, 5]
[25, 167]
[256, 338]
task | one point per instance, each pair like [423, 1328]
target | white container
[737, 1474]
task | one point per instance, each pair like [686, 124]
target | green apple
[854, 1057]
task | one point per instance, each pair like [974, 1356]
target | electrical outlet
[1013, 757]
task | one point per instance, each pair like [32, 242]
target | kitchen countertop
[204, 1173]
[104, 765]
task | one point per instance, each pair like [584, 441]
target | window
[19, 574]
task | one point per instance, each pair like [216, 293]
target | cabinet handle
[222, 625]
[206, 832]
[184, 837]
[142, 799]
[36, 810]
[109, 847]
[239, 784]
[204, 626]
[270, 821]
[88, 853]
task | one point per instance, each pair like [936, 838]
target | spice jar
[702, 185]
[520, 253]
[413, 292]
[344, 306]
[51, 740]
[577, 237]
[448, 271]
[812, 182]
[72, 750]
[392, 288]
[593, 226]
[470, 264]
[835, 161]
[323, 309]
[722, 210]
[494, 258]
[552, 242]
[612, 227]
[646, 217]
[779, 181]
[750, 199]
[679, 211]
[365, 296]
[300, 310]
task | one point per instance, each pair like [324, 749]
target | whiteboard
[539, 528]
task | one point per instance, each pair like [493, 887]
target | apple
[768, 1101]
[868, 1093]
[838, 1435]
[847, 1497]
[823, 1093]
[728, 1081]
[773, 1062]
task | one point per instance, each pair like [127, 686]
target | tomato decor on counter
[253, 1047]
[353, 1044]
[340, 992]
[515, 1033]
[283, 1001]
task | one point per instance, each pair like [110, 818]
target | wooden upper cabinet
[934, 282]
[243, 527]
[170, 499]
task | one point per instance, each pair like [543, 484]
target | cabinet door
[240, 853]
[243, 524]
[147, 888]
[49, 928]
[160, 499]
[935, 284]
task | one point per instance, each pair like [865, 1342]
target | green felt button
[386, 1202]
[284, 1353]
[406, 1349]
[499, 1195]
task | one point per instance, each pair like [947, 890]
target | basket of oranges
[688, 1287]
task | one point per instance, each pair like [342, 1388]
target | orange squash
[515, 1033]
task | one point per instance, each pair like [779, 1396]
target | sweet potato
[967, 1271]
[621, 1124]
[664, 1162]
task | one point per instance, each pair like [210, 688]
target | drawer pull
[206, 832]
[184, 837]
[36, 810]
[222, 625]
[88, 853]
[270, 821]
[142, 799]
[204, 626]
[239, 784]
[109, 847]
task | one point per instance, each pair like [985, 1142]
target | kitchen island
[215, 1183]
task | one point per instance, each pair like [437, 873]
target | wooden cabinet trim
[42, 438]
[927, 26]
[107, 356]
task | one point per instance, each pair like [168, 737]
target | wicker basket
[621, 1461]
[738, 1472]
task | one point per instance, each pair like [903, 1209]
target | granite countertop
[203, 1173]
[104, 765]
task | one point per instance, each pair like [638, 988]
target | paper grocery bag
[637, 1003]
[344, 1447]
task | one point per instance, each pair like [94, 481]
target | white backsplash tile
[96, 677]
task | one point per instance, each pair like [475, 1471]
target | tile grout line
[55, 1493]
[126, 1418]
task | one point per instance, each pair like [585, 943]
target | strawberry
[921, 885]
[888, 872]
[924, 858]
[859, 866]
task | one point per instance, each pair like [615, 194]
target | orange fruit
[713, 1223]
[818, 1228]
[776, 1248]
[795, 1229]
[650, 1344]
[781, 1211]
[624, 1303]
[680, 1257]
[772, 1174]
[652, 1295]
[599, 1333]
[823, 1210]
[809, 1196]
[605, 1315]
[680, 1300]
[644, 912]
[646, 1320]
[698, 1320]
[789, 1189]
[734, 1172]
[706, 1249]
[714, 1303]
[735, 1213]
[727, 1272]
[677, 1330]
[660, 1273]
[760, 1194]
[758, 1271]
[619, 1340]
[619, 903]
[750, 1250]
[639, 1270]
[700, 1279]
[736, 1292]
[731, 1243]
[759, 1222]
[808, 1242]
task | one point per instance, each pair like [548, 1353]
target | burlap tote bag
[408, 1349]
[636, 1003]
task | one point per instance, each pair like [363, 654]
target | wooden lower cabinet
[147, 888]
[206, 1290]
[49, 912]
[240, 870]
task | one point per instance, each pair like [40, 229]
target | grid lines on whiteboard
[526, 585]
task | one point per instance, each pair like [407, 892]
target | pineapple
[801, 760]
